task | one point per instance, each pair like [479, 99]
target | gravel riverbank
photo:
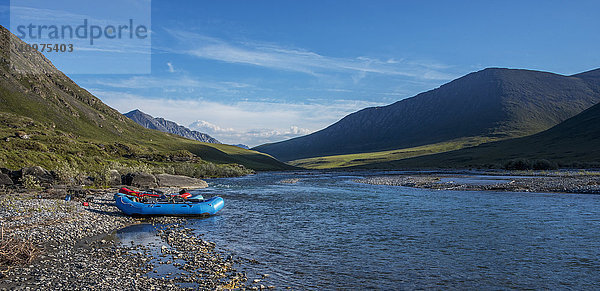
[585, 184]
[76, 250]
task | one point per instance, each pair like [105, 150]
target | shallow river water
[328, 232]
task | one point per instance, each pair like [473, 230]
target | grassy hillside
[67, 124]
[573, 143]
[492, 103]
[365, 159]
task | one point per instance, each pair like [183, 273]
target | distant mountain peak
[161, 124]
[494, 103]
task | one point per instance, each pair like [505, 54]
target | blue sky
[260, 71]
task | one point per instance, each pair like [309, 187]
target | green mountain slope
[573, 143]
[489, 104]
[366, 159]
[42, 102]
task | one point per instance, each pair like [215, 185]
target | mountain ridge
[161, 124]
[495, 103]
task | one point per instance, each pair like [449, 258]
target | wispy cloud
[300, 60]
[148, 82]
[171, 67]
[247, 122]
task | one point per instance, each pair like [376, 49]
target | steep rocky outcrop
[164, 125]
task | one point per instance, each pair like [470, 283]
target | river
[328, 232]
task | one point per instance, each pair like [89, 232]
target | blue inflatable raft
[186, 208]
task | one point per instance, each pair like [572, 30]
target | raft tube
[188, 208]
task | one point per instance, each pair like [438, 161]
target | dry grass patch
[15, 251]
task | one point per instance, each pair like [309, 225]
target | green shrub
[101, 177]
[525, 164]
[67, 172]
[181, 155]
[544, 165]
[30, 182]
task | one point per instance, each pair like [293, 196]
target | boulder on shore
[114, 178]
[5, 179]
[41, 174]
[140, 180]
[167, 180]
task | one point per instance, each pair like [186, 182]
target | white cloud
[253, 137]
[207, 127]
[304, 61]
[247, 122]
[298, 130]
[171, 67]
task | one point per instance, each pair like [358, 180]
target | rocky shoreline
[560, 183]
[76, 251]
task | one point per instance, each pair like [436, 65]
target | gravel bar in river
[584, 184]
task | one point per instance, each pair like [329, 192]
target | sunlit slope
[366, 159]
[30, 86]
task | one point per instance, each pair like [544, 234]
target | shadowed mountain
[490, 104]
[65, 123]
[160, 124]
[573, 143]
[592, 76]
